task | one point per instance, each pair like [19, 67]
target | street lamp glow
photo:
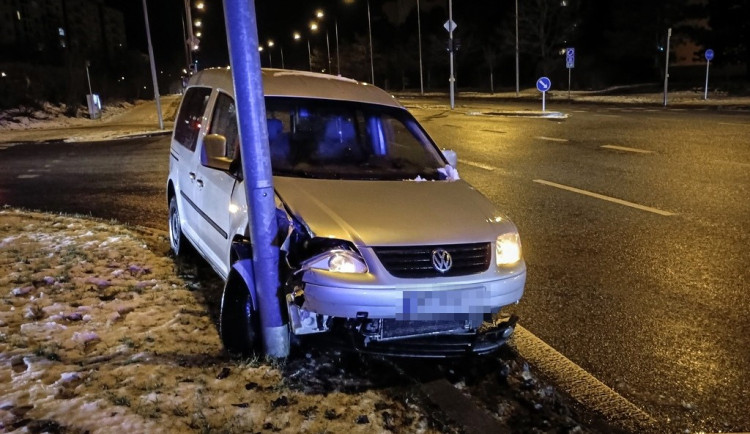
[2, 74]
[198, 34]
[319, 13]
[200, 5]
[313, 26]
[270, 43]
[198, 23]
[297, 36]
[260, 48]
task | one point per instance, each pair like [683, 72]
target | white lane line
[580, 111]
[607, 116]
[27, 176]
[735, 124]
[732, 162]
[579, 384]
[552, 139]
[607, 198]
[479, 165]
[623, 148]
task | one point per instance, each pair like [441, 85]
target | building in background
[44, 31]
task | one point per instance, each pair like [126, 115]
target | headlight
[508, 249]
[337, 261]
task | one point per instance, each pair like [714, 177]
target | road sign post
[709, 58]
[450, 26]
[543, 84]
[570, 63]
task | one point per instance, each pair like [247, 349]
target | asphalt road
[635, 227]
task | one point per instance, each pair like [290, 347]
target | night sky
[277, 20]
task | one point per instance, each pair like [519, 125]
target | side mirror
[451, 156]
[214, 152]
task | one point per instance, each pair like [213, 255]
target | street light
[419, 37]
[369, 30]
[297, 37]
[270, 61]
[314, 26]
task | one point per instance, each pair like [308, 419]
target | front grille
[416, 261]
[394, 329]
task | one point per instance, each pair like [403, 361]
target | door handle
[199, 182]
[192, 176]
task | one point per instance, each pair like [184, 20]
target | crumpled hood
[382, 213]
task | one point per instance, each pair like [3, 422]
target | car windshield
[347, 140]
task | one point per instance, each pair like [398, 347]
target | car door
[189, 127]
[215, 187]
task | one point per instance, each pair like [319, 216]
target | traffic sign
[543, 84]
[570, 57]
[450, 25]
[709, 54]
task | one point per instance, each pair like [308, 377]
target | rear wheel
[176, 238]
[239, 324]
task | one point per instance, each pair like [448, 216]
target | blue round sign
[709, 54]
[543, 84]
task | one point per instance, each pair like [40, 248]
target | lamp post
[666, 67]
[517, 73]
[270, 61]
[419, 38]
[153, 66]
[369, 31]
[319, 14]
[297, 36]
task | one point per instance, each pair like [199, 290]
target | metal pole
[517, 69]
[88, 78]
[281, 50]
[190, 35]
[309, 54]
[705, 91]
[450, 44]
[270, 61]
[328, 48]
[242, 38]
[666, 67]
[369, 30]
[544, 102]
[419, 37]
[569, 70]
[153, 66]
[338, 57]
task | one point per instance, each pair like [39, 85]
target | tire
[176, 238]
[239, 325]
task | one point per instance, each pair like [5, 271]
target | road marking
[580, 111]
[27, 176]
[552, 139]
[735, 124]
[479, 165]
[494, 131]
[579, 384]
[607, 116]
[623, 148]
[731, 162]
[607, 198]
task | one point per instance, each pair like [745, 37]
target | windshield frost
[347, 140]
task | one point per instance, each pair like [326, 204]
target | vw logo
[441, 260]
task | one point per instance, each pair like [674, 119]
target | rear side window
[189, 121]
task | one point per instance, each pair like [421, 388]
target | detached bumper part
[443, 345]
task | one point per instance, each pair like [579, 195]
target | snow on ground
[118, 120]
[98, 333]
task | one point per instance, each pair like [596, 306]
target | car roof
[291, 83]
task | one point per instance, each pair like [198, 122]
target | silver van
[381, 241]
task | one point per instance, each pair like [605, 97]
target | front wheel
[239, 325]
[176, 238]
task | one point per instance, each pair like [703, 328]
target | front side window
[348, 140]
[224, 122]
[190, 119]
